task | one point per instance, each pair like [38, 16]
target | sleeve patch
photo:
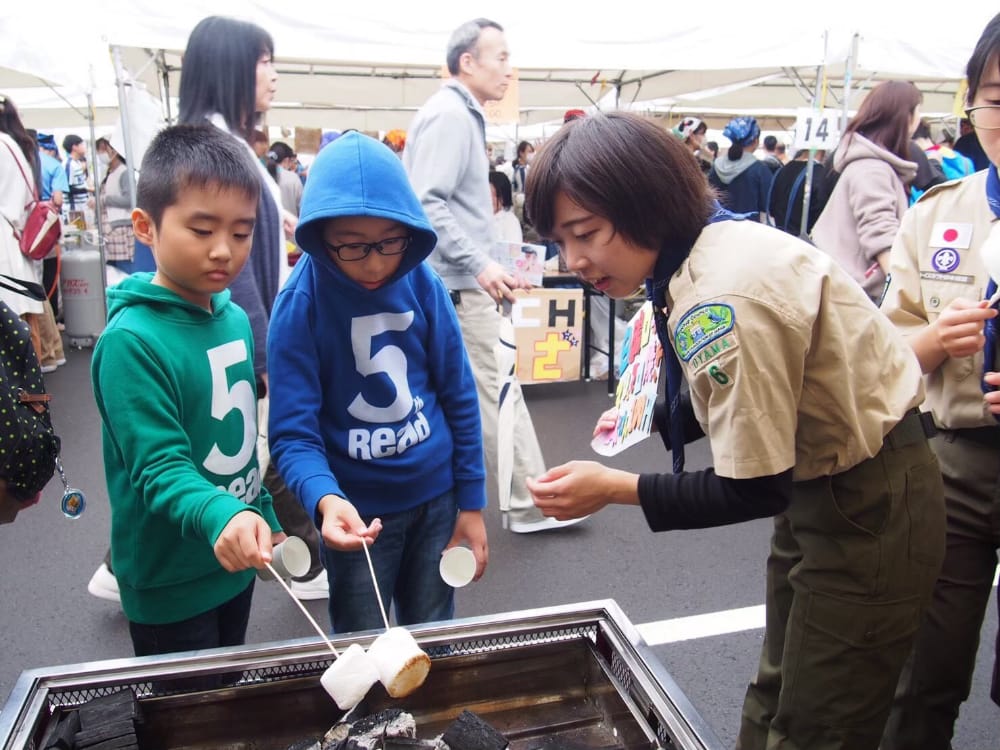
[700, 327]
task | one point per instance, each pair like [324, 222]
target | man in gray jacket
[445, 157]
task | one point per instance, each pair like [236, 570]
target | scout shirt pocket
[938, 290]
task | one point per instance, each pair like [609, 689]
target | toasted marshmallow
[401, 663]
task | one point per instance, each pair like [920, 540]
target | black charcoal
[106, 709]
[469, 732]
[63, 732]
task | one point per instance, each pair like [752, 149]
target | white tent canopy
[371, 66]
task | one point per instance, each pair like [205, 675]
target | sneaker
[60, 362]
[104, 585]
[544, 524]
[314, 588]
[50, 367]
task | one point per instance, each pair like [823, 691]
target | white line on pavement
[713, 623]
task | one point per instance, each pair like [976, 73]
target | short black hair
[502, 185]
[70, 141]
[626, 169]
[987, 48]
[192, 156]
[770, 142]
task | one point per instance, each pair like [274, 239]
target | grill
[573, 677]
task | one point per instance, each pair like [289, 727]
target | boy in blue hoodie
[174, 382]
[374, 419]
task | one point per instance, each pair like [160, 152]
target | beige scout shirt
[935, 259]
[789, 363]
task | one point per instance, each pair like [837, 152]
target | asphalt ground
[47, 618]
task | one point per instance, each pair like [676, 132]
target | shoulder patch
[701, 326]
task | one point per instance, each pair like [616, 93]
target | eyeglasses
[359, 250]
[986, 117]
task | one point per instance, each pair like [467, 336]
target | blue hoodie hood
[358, 176]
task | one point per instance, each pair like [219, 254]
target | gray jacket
[445, 158]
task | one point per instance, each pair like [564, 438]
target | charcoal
[335, 738]
[470, 732]
[118, 743]
[88, 737]
[408, 743]
[63, 733]
[370, 732]
[309, 743]
[366, 724]
[107, 709]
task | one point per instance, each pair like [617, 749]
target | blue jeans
[405, 557]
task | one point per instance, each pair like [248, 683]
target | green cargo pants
[852, 565]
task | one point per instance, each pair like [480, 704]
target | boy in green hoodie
[175, 387]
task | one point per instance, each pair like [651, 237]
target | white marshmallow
[350, 677]
[402, 665]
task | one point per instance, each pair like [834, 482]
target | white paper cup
[458, 566]
[290, 559]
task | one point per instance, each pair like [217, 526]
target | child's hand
[606, 422]
[343, 529]
[992, 398]
[245, 542]
[471, 529]
[277, 537]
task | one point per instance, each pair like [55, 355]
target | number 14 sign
[819, 129]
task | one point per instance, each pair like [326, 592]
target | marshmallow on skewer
[402, 665]
[350, 677]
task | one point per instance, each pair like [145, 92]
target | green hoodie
[176, 391]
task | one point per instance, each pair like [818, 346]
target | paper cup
[458, 566]
[290, 559]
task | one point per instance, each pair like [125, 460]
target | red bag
[42, 228]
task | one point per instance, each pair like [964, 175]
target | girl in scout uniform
[808, 398]
[937, 299]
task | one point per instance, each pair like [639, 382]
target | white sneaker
[314, 588]
[104, 585]
[544, 524]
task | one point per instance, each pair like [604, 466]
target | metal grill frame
[650, 693]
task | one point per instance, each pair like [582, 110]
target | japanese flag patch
[951, 234]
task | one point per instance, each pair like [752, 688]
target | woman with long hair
[18, 175]
[863, 212]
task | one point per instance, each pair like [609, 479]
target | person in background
[258, 142]
[691, 131]
[505, 223]
[54, 188]
[18, 155]
[968, 145]
[362, 346]
[953, 165]
[396, 140]
[788, 192]
[741, 179]
[780, 152]
[519, 167]
[446, 161]
[771, 159]
[938, 300]
[862, 214]
[808, 401]
[281, 161]
[77, 173]
[116, 207]
[190, 520]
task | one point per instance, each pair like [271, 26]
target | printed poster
[522, 261]
[638, 379]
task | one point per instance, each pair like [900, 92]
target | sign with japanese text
[548, 330]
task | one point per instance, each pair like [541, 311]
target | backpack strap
[791, 197]
[27, 288]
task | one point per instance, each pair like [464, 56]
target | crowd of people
[841, 362]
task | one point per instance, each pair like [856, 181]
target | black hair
[987, 48]
[10, 123]
[277, 153]
[770, 142]
[923, 130]
[626, 169]
[220, 72]
[192, 156]
[70, 141]
[522, 149]
[465, 39]
[504, 190]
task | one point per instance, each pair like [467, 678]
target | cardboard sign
[819, 129]
[548, 329]
[523, 261]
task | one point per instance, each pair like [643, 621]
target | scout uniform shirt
[935, 259]
[789, 363]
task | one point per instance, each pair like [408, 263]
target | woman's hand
[579, 488]
[607, 422]
[959, 328]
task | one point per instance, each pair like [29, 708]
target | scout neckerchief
[990, 350]
[669, 260]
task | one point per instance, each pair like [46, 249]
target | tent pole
[852, 59]
[811, 163]
[98, 196]
[164, 83]
[116, 54]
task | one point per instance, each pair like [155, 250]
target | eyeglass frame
[369, 246]
[970, 110]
